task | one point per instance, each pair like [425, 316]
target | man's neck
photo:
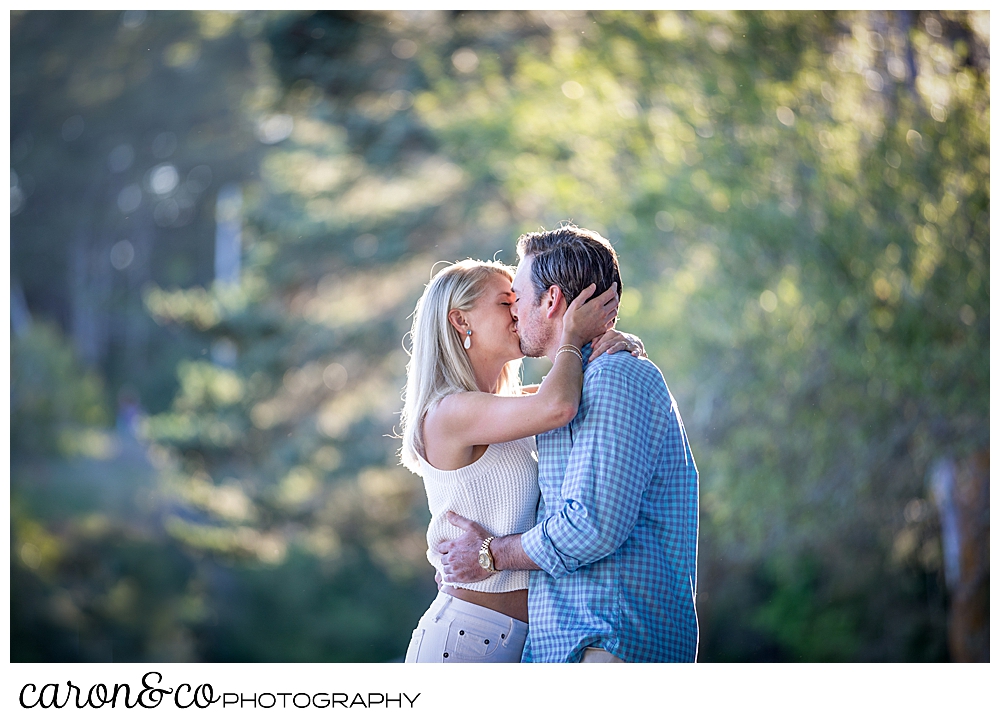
[555, 342]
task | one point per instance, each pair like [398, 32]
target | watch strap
[485, 555]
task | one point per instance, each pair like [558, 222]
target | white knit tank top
[499, 491]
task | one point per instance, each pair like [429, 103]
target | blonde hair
[439, 365]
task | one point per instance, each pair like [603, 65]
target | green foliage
[304, 611]
[282, 458]
[87, 588]
[51, 395]
[91, 577]
[805, 623]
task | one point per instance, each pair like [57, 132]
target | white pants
[456, 631]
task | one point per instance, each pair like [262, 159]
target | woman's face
[494, 338]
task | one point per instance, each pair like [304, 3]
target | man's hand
[460, 557]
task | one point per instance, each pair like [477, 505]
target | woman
[468, 430]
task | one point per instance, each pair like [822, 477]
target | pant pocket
[471, 640]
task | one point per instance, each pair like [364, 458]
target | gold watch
[485, 558]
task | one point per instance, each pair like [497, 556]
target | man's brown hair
[571, 258]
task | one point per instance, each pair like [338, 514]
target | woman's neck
[488, 380]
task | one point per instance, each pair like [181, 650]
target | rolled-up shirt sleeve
[609, 468]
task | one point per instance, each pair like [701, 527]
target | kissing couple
[564, 515]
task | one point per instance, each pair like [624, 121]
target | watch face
[484, 560]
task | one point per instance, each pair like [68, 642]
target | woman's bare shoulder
[447, 409]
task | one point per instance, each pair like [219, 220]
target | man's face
[532, 326]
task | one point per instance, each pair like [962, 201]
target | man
[614, 550]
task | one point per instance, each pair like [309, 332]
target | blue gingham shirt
[617, 531]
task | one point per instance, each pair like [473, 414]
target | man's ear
[553, 302]
[458, 320]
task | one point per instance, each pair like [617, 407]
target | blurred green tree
[52, 397]
[280, 450]
[123, 128]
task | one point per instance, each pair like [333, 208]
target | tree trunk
[962, 493]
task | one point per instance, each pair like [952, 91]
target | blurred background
[221, 222]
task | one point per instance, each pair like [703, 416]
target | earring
[468, 338]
